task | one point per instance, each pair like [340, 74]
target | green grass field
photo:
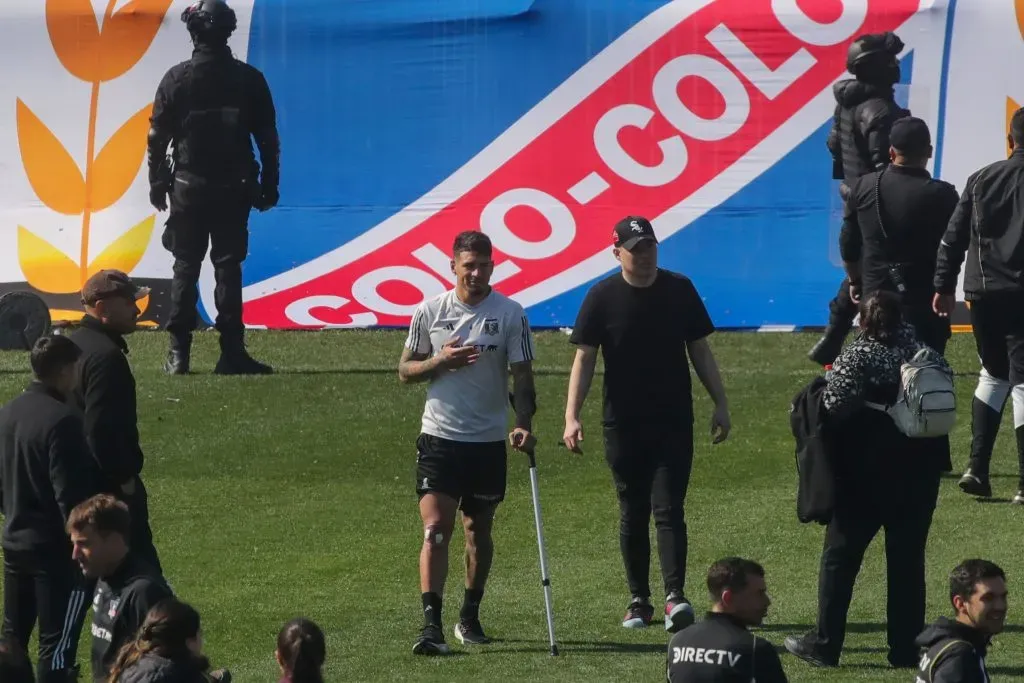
[293, 494]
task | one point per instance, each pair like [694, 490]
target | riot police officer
[210, 107]
[859, 143]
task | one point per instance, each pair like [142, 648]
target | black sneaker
[639, 614]
[470, 632]
[430, 642]
[975, 485]
[804, 648]
[678, 613]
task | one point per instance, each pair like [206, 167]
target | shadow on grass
[569, 646]
[1006, 670]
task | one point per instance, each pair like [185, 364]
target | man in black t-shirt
[645, 319]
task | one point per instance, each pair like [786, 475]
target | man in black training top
[988, 228]
[46, 469]
[211, 107]
[645, 320]
[955, 649]
[127, 586]
[721, 649]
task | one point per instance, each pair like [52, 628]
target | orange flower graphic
[95, 56]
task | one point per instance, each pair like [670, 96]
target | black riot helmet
[210, 21]
[872, 57]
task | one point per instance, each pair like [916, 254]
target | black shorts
[472, 473]
[998, 322]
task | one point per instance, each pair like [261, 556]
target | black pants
[203, 215]
[842, 310]
[998, 322]
[651, 471]
[900, 499]
[46, 587]
[931, 329]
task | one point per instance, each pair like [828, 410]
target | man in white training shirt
[464, 342]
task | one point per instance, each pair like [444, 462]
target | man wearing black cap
[892, 226]
[105, 395]
[859, 143]
[212, 107]
[988, 227]
[646, 321]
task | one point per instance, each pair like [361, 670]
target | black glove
[267, 198]
[158, 197]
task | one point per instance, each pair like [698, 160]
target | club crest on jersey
[112, 611]
[491, 326]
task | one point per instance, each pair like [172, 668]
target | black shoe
[470, 632]
[678, 613]
[430, 642]
[827, 349]
[803, 648]
[178, 362]
[975, 485]
[639, 614]
[239, 362]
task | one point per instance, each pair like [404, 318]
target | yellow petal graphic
[1011, 107]
[1018, 5]
[126, 251]
[46, 267]
[65, 316]
[119, 161]
[53, 174]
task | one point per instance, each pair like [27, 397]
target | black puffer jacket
[859, 139]
[152, 668]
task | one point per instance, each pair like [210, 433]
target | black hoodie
[955, 653]
[859, 139]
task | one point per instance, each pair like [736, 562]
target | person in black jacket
[721, 649]
[46, 469]
[14, 664]
[127, 586]
[988, 226]
[954, 650]
[167, 649]
[105, 394]
[883, 479]
[211, 107]
[859, 143]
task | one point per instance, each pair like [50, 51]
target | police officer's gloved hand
[158, 197]
[268, 198]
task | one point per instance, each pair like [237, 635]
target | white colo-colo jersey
[471, 403]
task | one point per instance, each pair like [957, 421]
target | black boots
[234, 359]
[179, 357]
[828, 347]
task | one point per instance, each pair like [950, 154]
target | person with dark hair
[988, 226]
[168, 648]
[954, 650]
[46, 469]
[721, 648]
[465, 343]
[14, 664]
[893, 224]
[883, 479]
[648, 323]
[301, 652]
[127, 586]
[211, 107]
[859, 143]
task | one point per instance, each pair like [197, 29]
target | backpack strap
[946, 650]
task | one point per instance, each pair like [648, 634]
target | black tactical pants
[204, 215]
[45, 587]
[842, 310]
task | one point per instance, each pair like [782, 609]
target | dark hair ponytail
[881, 316]
[166, 631]
[303, 651]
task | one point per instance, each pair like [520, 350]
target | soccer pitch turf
[293, 494]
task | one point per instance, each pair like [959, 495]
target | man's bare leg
[438, 514]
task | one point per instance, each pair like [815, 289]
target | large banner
[540, 122]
